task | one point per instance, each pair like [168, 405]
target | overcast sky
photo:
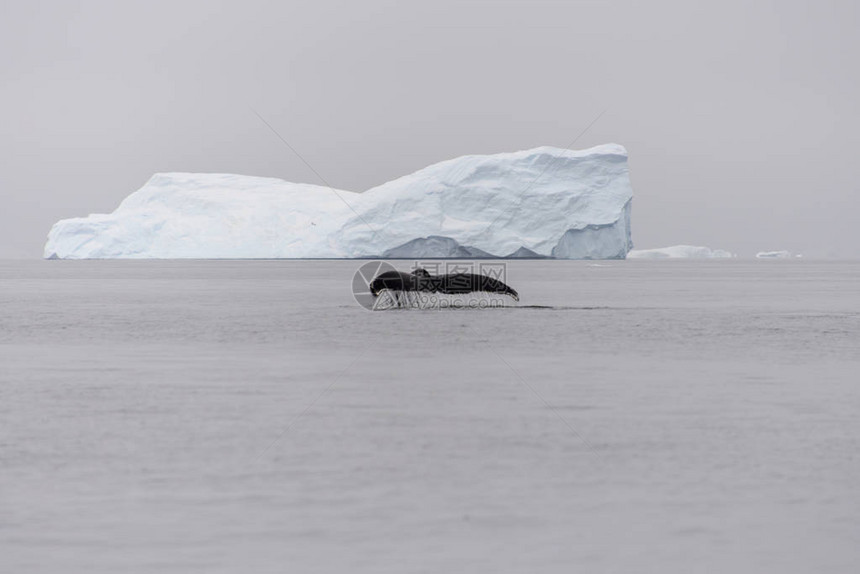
[741, 117]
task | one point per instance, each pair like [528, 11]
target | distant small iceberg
[525, 253]
[773, 254]
[436, 246]
[680, 252]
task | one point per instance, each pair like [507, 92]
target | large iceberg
[544, 201]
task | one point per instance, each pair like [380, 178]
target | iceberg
[434, 246]
[773, 254]
[542, 202]
[679, 252]
[524, 253]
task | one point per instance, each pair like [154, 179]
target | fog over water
[648, 416]
[740, 118]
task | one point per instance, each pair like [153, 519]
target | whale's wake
[398, 299]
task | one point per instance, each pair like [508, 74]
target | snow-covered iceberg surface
[547, 201]
[679, 252]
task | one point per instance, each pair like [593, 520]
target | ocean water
[249, 416]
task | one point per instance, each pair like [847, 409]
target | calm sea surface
[249, 416]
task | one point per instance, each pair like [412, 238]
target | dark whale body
[454, 283]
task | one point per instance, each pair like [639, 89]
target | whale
[452, 283]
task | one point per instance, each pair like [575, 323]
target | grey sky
[741, 118]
